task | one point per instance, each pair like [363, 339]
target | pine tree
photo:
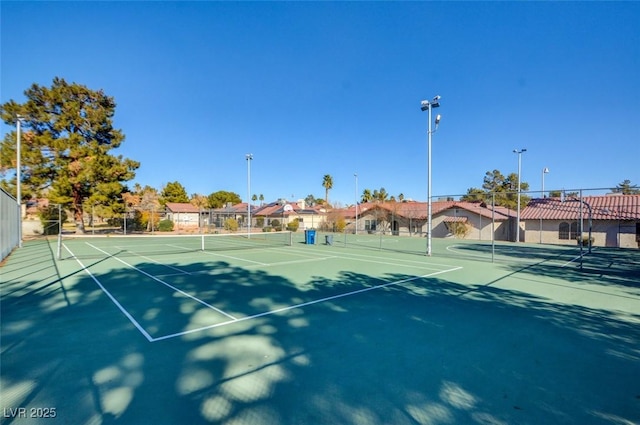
[68, 134]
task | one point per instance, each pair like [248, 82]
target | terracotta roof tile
[618, 207]
[181, 207]
[418, 210]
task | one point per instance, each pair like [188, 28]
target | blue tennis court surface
[292, 333]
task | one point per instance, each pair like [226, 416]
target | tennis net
[97, 246]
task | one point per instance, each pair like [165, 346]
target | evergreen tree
[220, 198]
[68, 134]
[626, 188]
[504, 188]
[174, 192]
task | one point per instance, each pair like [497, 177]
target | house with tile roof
[285, 212]
[183, 214]
[471, 220]
[614, 220]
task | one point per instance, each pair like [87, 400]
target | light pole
[545, 170]
[18, 179]
[519, 152]
[427, 105]
[249, 158]
[356, 200]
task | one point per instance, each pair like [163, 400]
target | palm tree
[261, 199]
[254, 198]
[327, 183]
[382, 195]
[401, 197]
[367, 196]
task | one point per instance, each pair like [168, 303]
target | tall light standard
[519, 152]
[356, 200]
[249, 158]
[427, 105]
[545, 170]
[19, 178]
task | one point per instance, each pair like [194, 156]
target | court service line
[161, 264]
[306, 260]
[308, 303]
[234, 258]
[376, 260]
[164, 283]
[345, 254]
[111, 297]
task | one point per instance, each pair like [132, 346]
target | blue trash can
[310, 237]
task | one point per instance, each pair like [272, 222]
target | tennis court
[269, 330]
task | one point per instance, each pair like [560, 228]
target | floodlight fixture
[426, 104]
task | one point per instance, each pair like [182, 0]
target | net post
[59, 244]
[202, 242]
[290, 239]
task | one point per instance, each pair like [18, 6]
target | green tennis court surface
[364, 331]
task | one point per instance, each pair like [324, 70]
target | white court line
[164, 283]
[421, 262]
[234, 258]
[375, 259]
[162, 264]
[291, 307]
[576, 258]
[306, 260]
[216, 254]
[227, 269]
[122, 309]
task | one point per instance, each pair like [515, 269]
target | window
[568, 231]
[563, 231]
[370, 225]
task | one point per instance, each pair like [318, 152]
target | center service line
[291, 307]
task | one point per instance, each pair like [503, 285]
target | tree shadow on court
[428, 350]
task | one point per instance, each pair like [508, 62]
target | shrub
[585, 240]
[292, 226]
[259, 221]
[266, 229]
[460, 230]
[165, 226]
[231, 224]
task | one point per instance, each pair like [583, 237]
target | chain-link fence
[9, 224]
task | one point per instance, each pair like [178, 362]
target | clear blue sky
[335, 88]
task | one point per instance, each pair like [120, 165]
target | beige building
[612, 220]
[468, 220]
